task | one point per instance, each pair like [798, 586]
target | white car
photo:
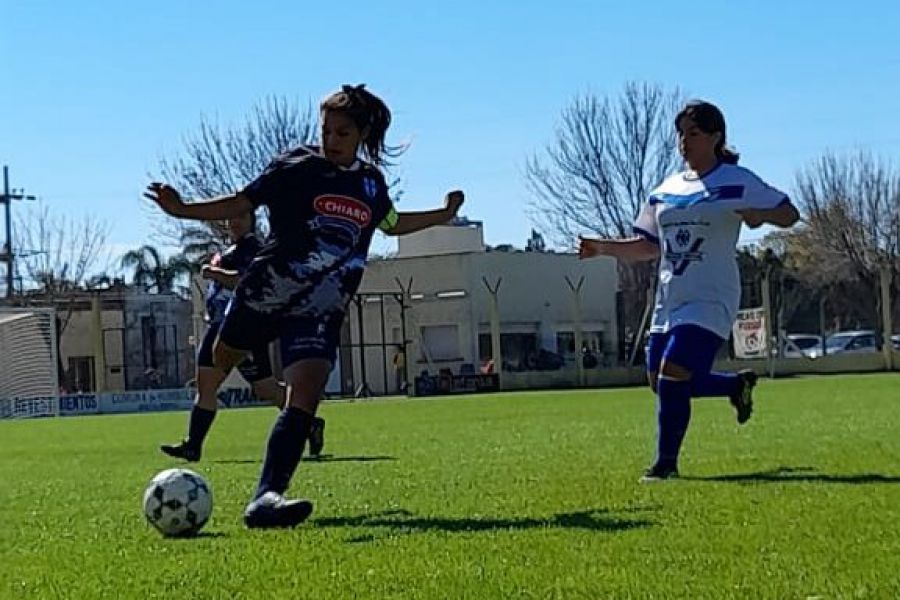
[801, 345]
[848, 342]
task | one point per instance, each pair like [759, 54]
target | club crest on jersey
[682, 259]
[343, 207]
[371, 187]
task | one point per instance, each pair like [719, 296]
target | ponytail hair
[709, 119]
[727, 155]
[370, 115]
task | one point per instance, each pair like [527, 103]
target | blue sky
[94, 93]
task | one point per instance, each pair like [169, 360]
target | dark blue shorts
[255, 367]
[689, 346]
[301, 337]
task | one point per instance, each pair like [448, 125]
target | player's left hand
[166, 197]
[752, 218]
[453, 202]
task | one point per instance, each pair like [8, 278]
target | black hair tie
[353, 89]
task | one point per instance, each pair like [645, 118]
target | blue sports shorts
[689, 346]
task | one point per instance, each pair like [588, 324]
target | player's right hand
[588, 248]
[166, 197]
[453, 201]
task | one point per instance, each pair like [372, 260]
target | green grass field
[530, 495]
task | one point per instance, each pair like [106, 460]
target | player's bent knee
[306, 381]
[225, 357]
[269, 390]
[674, 372]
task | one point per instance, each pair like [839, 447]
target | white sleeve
[759, 195]
[645, 225]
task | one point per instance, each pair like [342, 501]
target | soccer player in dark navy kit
[691, 222]
[223, 273]
[324, 207]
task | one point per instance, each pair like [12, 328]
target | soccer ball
[178, 502]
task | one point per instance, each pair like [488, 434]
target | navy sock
[714, 384]
[284, 450]
[674, 414]
[198, 425]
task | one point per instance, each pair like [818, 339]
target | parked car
[848, 342]
[801, 345]
[895, 340]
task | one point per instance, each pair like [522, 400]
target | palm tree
[201, 242]
[153, 272]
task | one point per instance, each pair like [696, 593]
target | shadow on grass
[798, 475]
[325, 458]
[198, 536]
[405, 522]
[330, 458]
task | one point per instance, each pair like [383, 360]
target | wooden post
[887, 326]
[99, 348]
[497, 355]
[767, 311]
[405, 301]
[579, 334]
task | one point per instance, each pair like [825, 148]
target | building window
[485, 350]
[591, 343]
[593, 340]
[519, 350]
[81, 374]
[440, 342]
[565, 343]
[148, 341]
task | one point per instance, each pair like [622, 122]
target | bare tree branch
[609, 153]
[217, 160]
[607, 156]
[851, 228]
[58, 253]
[60, 249]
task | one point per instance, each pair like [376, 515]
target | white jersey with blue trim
[695, 223]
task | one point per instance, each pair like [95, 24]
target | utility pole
[7, 254]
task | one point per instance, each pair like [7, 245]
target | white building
[446, 272]
[120, 338]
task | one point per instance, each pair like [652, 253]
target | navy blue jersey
[236, 257]
[322, 218]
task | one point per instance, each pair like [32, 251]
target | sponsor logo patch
[343, 207]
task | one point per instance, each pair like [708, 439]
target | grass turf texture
[510, 495]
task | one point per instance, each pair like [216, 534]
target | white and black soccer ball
[178, 502]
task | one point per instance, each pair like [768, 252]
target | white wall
[443, 239]
[533, 289]
[78, 339]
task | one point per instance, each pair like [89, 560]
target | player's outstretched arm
[783, 215]
[409, 222]
[634, 249]
[223, 207]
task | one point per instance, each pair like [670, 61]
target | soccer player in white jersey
[691, 223]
